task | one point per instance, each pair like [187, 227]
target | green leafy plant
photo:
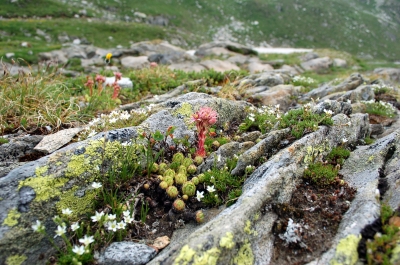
[303, 121]
[380, 108]
[380, 248]
[262, 119]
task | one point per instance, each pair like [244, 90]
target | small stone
[161, 242]
[127, 253]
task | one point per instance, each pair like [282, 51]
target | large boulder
[317, 65]
[135, 62]
[219, 66]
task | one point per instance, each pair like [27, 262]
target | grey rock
[250, 136]
[75, 51]
[266, 146]
[52, 142]
[158, 20]
[292, 70]
[363, 92]
[274, 181]
[235, 47]
[350, 83]
[309, 56]
[219, 66]
[63, 38]
[317, 65]
[187, 67]
[255, 90]
[238, 59]
[376, 129]
[268, 79]
[218, 51]
[126, 253]
[335, 106]
[10, 55]
[392, 74]
[340, 63]
[135, 62]
[255, 67]
[19, 147]
[170, 58]
[151, 47]
[227, 151]
[277, 95]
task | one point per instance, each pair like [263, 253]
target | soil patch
[308, 223]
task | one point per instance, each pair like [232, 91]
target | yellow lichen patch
[185, 256]
[44, 187]
[248, 230]
[245, 255]
[210, 257]
[39, 172]
[12, 218]
[15, 260]
[227, 241]
[346, 251]
[78, 205]
[186, 111]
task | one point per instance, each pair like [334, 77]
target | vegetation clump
[381, 246]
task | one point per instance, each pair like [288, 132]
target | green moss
[12, 218]
[346, 251]
[15, 260]
[245, 255]
[227, 241]
[185, 256]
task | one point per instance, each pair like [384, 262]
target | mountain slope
[366, 28]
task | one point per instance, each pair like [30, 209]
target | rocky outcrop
[243, 232]
[40, 189]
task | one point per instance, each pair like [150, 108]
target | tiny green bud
[188, 188]
[195, 180]
[178, 205]
[199, 216]
[191, 169]
[172, 192]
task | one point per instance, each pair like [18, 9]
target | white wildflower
[121, 225]
[328, 112]
[87, 240]
[38, 227]
[61, 230]
[199, 195]
[96, 185]
[128, 219]
[113, 120]
[344, 140]
[66, 211]
[78, 250]
[97, 217]
[124, 115]
[75, 226]
[126, 213]
[112, 226]
[111, 217]
[210, 189]
[92, 133]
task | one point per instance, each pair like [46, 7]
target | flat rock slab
[53, 142]
[127, 253]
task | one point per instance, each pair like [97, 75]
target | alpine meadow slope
[366, 28]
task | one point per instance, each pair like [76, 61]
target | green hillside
[365, 28]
